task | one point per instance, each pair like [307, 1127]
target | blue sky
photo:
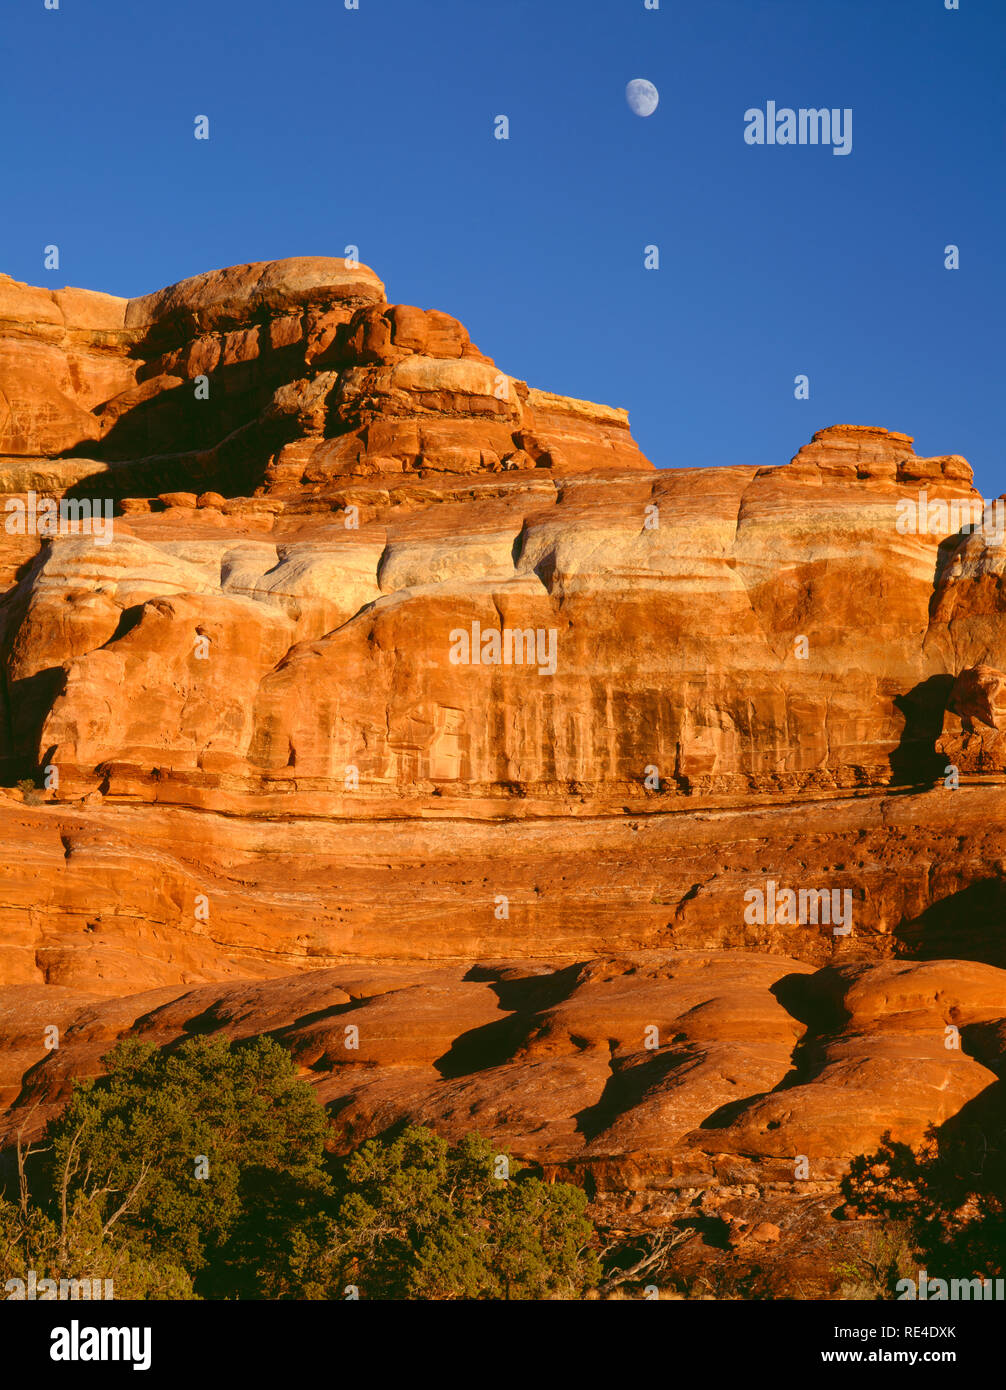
[374, 127]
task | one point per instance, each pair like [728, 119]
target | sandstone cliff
[401, 691]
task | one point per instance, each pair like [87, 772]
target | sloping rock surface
[359, 693]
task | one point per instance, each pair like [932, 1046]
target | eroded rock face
[721, 629]
[398, 690]
[664, 1069]
[693, 633]
[974, 725]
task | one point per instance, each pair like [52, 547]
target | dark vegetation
[202, 1172]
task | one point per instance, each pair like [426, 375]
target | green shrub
[176, 1133]
[80, 1248]
[425, 1219]
[201, 1171]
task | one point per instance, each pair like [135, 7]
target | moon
[642, 96]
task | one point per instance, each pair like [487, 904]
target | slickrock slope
[648, 820]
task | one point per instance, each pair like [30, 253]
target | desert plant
[949, 1194]
[178, 1133]
[886, 1257]
[426, 1219]
[30, 791]
[203, 1167]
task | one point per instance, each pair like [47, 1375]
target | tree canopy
[201, 1170]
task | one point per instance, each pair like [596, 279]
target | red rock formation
[656, 1069]
[974, 725]
[280, 788]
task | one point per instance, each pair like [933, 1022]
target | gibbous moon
[642, 96]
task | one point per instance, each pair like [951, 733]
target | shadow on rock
[915, 761]
[967, 925]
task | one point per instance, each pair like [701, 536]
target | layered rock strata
[647, 819]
